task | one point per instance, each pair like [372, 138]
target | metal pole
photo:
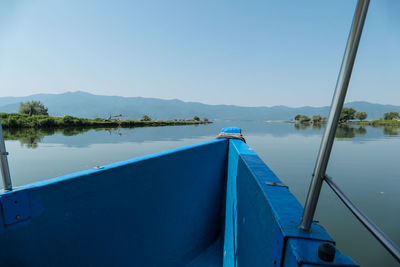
[372, 228]
[5, 171]
[336, 108]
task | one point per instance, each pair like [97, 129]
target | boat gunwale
[106, 167]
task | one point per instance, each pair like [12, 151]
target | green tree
[316, 119]
[391, 115]
[68, 120]
[303, 119]
[205, 119]
[360, 115]
[146, 118]
[347, 114]
[196, 118]
[32, 108]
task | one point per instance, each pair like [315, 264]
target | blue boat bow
[211, 204]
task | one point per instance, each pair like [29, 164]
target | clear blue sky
[252, 53]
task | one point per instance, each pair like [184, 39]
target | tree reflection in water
[302, 126]
[346, 131]
[390, 130]
[31, 137]
[343, 131]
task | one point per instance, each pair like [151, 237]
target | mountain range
[83, 104]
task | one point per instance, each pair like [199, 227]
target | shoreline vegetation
[15, 121]
[360, 123]
[348, 117]
[375, 123]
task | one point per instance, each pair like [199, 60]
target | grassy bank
[375, 123]
[306, 122]
[393, 123]
[15, 120]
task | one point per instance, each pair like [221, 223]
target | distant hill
[82, 104]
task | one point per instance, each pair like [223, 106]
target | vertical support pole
[5, 171]
[334, 114]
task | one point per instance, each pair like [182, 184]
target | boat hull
[212, 204]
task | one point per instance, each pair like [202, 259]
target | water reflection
[349, 131]
[302, 126]
[317, 126]
[307, 125]
[83, 137]
[344, 132]
[390, 130]
[31, 137]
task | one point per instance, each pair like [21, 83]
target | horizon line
[197, 102]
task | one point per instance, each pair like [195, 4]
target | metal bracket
[5, 170]
[16, 207]
[276, 184]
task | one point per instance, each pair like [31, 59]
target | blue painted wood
[160, 210]
[233, 130]
[211, 257]
[230, 236]
[302, 252]
[267, 219]
[212, 204]
[15, 207]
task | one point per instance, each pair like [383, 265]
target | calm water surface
[364, 163]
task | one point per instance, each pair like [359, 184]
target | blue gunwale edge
[288, 219]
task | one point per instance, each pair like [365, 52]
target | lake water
[364, 163]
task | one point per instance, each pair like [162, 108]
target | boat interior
[211, 204]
